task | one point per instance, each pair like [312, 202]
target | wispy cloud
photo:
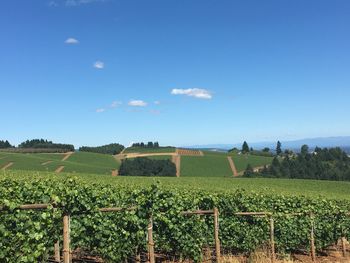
[115, 104]
[155, 112]
[80, 2]
[71, 41]
[195, 92]
[52, 4]
[99, 65]
[100, 110]
[157, 102]
[137, 103]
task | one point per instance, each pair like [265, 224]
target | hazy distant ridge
[343, 141]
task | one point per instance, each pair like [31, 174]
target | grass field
[291, 187]
[79, 162]
[205, 166]
[242, 161]
[150, 150]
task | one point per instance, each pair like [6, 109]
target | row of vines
[29, 236]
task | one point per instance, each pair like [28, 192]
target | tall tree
[245, 147]
[278, 148]
[304, 150]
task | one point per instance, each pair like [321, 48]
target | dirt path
[176, 159]
[59, 169]
[66, 156]
[232, 165]
[45, 163]
[7, 166]
[115, 172]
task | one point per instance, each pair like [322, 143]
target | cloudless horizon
[181, 72]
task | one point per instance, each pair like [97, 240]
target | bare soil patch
[189, 152]
[114, 172]
[59, 169]
[232, 165]
[67, 155]
[176, 159]
[8, 165]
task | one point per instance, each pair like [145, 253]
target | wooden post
[312, 240]
[66, 239]
[151, 258]
[272, 240]
[216, 235]
[57, 251]
[343, 246]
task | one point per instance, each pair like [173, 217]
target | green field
[289, 187]
[205, 166]
[242, 161]
[158, 157]
[150, 150]
[79, 162]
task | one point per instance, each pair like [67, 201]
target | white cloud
[157, 102]
[71, 41]
[100, 110]
[99, 65]
[137, 103]
[195, 92]
[115, 104]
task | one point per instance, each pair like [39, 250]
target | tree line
[321, 164]
[142, 166]
[113, 148]
[145, 145]
[45, 144]
[5, 144]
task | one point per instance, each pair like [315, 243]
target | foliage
[322, 164]
[278, 148]
[113, 148]
[45, 144]
[245, 147]
[5, 144]
[28, 236]
[148, 145]
[142, 166]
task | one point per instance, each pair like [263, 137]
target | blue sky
[182, 72]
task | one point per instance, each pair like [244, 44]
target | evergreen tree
[304, 150]
[245, 147]
[278, 148]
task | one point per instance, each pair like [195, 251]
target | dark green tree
[245, 147]
[304, 150]
[278, 148]
[266, 149]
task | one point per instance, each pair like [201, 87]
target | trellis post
[272, 239]
[150, 241]
[66, 238]
[312, 239]
[216, 235]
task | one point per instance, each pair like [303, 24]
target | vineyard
[30, 235]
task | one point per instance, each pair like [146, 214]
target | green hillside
[241, 161]
[206, 166]
[79, 162]
[150, 150]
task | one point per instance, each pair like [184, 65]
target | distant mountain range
[341, 141]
